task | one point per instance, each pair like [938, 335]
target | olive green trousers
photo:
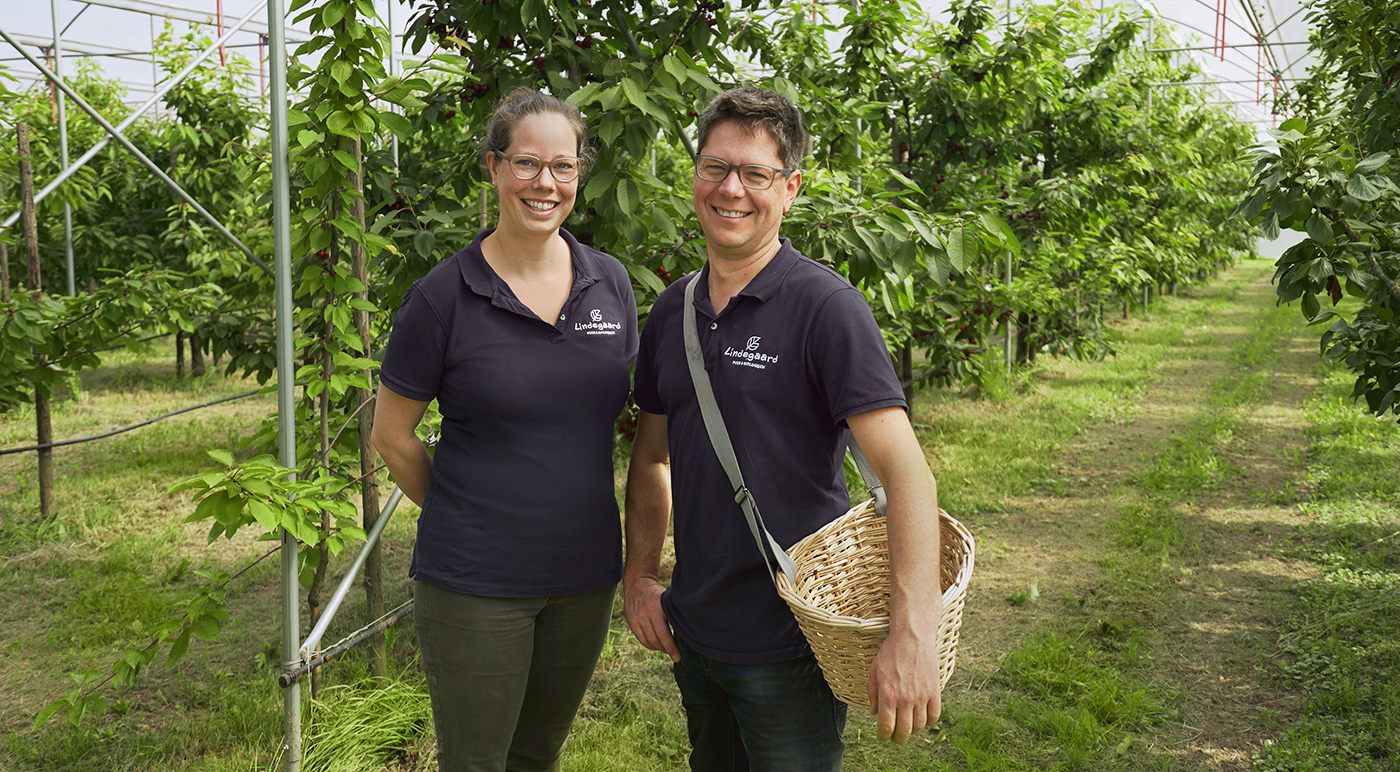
[506, 675]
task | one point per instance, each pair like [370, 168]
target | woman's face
[537, 206]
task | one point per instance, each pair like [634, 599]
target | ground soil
[1230, 588]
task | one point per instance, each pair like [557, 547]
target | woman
[524, 338]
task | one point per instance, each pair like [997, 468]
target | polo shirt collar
[761, 287]
[477, 273]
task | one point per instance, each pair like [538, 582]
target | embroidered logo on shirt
[750, 356]
[598, 326]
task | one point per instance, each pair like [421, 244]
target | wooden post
[906, 374]
[369, 487]
[4, 274]
[196, 355]
[179, 355]
[42, 418]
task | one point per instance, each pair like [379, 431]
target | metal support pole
[135, 114]
[389, 21]
[286, 367]
[63, 148]
[1008, 319]
[309, 648]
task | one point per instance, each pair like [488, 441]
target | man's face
[740, 222]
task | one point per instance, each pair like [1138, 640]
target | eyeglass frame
[729, 167]
[510, 160]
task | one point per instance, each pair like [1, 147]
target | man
[795, 358]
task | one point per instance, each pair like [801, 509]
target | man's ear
[790, 189]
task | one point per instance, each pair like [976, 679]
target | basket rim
[966, 545]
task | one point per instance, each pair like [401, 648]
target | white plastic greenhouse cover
[117, 35]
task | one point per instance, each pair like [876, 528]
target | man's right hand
[641, 605]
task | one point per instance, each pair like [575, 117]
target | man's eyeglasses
[755, 176]
[528, 167]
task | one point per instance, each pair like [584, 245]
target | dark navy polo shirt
[792, 356]
[522, 502]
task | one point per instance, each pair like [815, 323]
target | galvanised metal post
[1009, 318]
[286, 369]
[63, 148]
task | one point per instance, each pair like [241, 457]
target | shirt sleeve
[413, 361]
[848, 361]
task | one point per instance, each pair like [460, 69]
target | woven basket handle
[774, 555]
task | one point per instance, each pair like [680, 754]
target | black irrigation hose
[126, 428]
[143, 340]
[293, 675]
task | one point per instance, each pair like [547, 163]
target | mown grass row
[1341, 645]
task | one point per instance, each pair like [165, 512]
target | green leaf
[1319, 229]
[1311, 307]
[206, 627]
[396, 123]
[423, 243]
[262, 513]
[178, 648]
[646, 278]
[332, 13]
[963, 247]
[600, 182]
[340, 69]
[1294, 124]
[49, 712]
[1361, 188]
[627, 195]
[1269, 228]
[222, 456]
[1373, 162]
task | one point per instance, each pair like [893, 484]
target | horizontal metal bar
[293, 675]
[1266, 79]
[171, 12]
[1232, 45]
[371, 539]
[69, 46]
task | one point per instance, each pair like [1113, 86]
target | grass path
[1160, 537]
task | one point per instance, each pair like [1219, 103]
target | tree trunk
[42, 419]
[369, 460]
[1023, 334]
[196, 355]
[179, 355]
[4, 278]
[906, 373]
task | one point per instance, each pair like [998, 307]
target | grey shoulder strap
[724, 448]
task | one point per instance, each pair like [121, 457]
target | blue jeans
[780, 717]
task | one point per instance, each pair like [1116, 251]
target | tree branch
[1375, 269]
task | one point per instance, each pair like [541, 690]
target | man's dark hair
[759, 108]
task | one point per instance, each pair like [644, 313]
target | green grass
[1077, 692]
[1341, 645]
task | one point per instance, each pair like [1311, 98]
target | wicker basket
[842, 597]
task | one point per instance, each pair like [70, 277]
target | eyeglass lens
[528, 167]
[756, 176]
